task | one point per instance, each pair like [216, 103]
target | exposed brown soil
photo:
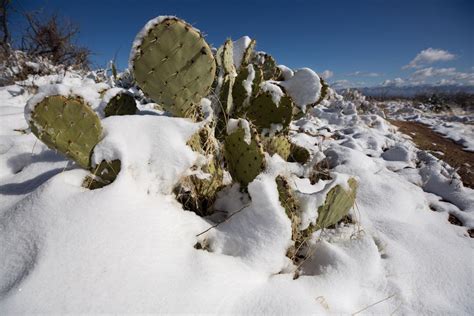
[427, 139]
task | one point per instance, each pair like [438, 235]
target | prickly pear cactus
[121, 104]
[244, 160]
[337, 204]
[278, 145]
[248, 54]
[225, 95]
[174, 65]
[198, 194]
[67, 125]
[324, 90]
[268, 65]
[103, 174]
[298, 154]
[264, 112]
[227, 58]
[291, 205]
[243, 87]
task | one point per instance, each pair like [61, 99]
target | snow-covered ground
[130, 247]
[457, 125]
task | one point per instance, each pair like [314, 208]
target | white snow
[248, 83]
[287, 73]
[304, 87]
[273, 89]
[240, 46]
[234, 124]
[129, 247]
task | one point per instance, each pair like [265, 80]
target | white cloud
[326, 74]
[397, 82]
[429, 72]
[363, 74]
[344, 84]
[433, 76]
[429, 56]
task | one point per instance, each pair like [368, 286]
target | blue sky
[359, 43]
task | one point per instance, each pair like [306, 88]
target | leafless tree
[5, 6]
[53, 37]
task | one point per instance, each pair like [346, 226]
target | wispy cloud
[326, 74]
[397, 82]
[432, 75]
[429, 72]
[344, 84]
[363, 74]
[429, 56]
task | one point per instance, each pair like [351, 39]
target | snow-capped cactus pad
[68, 125]
[118, 101]
[268, 64]
[173, 64]
[245, 160]
[246, 86]
[264, 111]
[337, 204]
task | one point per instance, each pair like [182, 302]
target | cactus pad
[121, 104]
[263, 111]
[268, 65]
[324, 90]
[298, 154]
[337, 204]
[239, 94]
[278, 145]
[67, 125]
[174, 65]
[248, 54]
[228, 57]
[244, 161]
[198, 194]
[103, 174]
[225, 95]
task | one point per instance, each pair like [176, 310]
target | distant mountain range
[410, 91]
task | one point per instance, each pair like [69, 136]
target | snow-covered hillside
[130, 247]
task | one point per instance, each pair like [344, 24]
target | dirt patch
[425, 138]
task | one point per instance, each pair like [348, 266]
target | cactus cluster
[174, 66]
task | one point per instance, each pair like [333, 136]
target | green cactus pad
[239, 93]
[174, 66]
[337, 204]
[244, 161]
[227, 57]
[225, 95]
[121, 104]
[298, 154]
[263, 111]
[268, 65]
[248, 54]
[278, 145]
[67, 125]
